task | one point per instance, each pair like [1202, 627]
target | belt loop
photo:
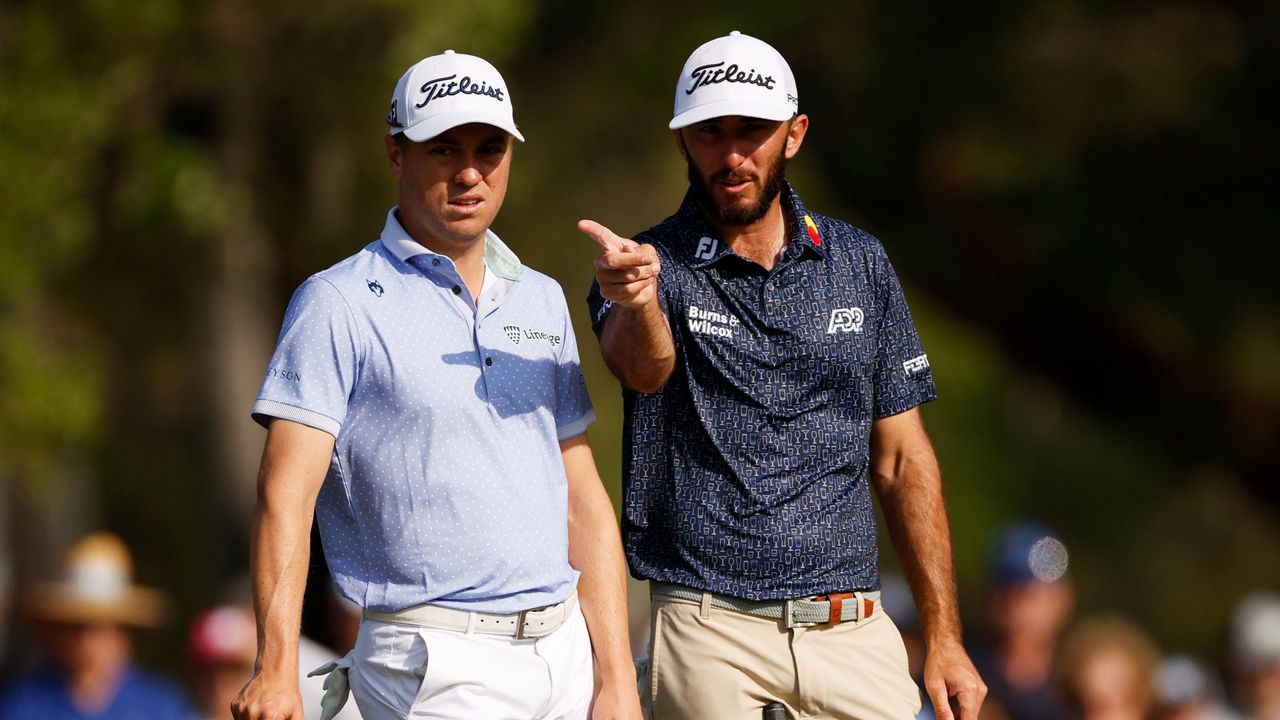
[837, 603]
[862, 607]
[471, 623]
[704, 608]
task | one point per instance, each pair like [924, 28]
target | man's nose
[469, 175]
[736, 152]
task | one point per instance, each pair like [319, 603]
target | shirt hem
[906, 404]
[575, 428]
[264, 410]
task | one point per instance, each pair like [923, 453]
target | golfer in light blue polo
[426, 399]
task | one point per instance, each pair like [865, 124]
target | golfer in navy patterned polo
[426, 399]
[771, 375]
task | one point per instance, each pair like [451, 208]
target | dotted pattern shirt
[446, 485]
[746, 473]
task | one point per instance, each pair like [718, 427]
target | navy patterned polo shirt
[746, 474]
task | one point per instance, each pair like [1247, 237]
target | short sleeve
[598, 307]
[573, 409]
[312, 373]
[903, 378]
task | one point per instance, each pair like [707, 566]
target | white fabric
[734, 75]
[401, 672]
[447, 90]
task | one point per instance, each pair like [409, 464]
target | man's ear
[795, 134]
[684, 152]
[395, 158]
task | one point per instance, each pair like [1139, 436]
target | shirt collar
[497, 256]
[704, 248]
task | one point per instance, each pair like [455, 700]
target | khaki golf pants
[708, 663]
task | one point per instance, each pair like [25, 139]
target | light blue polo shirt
[446, 483]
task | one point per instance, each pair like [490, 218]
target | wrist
[620, 671]
[274, 667]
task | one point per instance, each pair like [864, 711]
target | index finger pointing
[604, 237]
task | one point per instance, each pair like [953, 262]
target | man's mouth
[735, 184]
[466, 204]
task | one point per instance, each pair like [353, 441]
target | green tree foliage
[1077, 195]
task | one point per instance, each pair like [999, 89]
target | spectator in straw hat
[84, 620]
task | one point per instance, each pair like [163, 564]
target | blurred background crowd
[1073, 192]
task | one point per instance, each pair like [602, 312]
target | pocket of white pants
[421, 670]
[391, 662]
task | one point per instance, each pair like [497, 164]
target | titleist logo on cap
[716, 73]
[448, 86]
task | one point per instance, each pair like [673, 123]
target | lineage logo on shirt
[515, 334]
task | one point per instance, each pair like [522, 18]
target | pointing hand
[626, 270]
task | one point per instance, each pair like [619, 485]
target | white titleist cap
[734, 75]
[448, 90]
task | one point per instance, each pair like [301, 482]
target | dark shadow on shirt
[518, 385]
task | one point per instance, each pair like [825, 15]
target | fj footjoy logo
[375, 287]
[515, 334]
[604, 310]
[916, 364]
[845, 320]
[706, 248]
[393, 117]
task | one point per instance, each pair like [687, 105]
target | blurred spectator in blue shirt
[1030, 597]
[84, 621]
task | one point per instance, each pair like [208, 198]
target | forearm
[910, 494]
[294, 463]
[278, 564]
[595, 550]
[638, 347]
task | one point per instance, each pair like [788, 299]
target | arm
[908, 483]
[636, 340]
[595, 550]
[294, 465]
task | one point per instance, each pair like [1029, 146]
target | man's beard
[729, 215]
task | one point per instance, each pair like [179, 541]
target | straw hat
[96, 585]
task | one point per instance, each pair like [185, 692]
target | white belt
[535, 623]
